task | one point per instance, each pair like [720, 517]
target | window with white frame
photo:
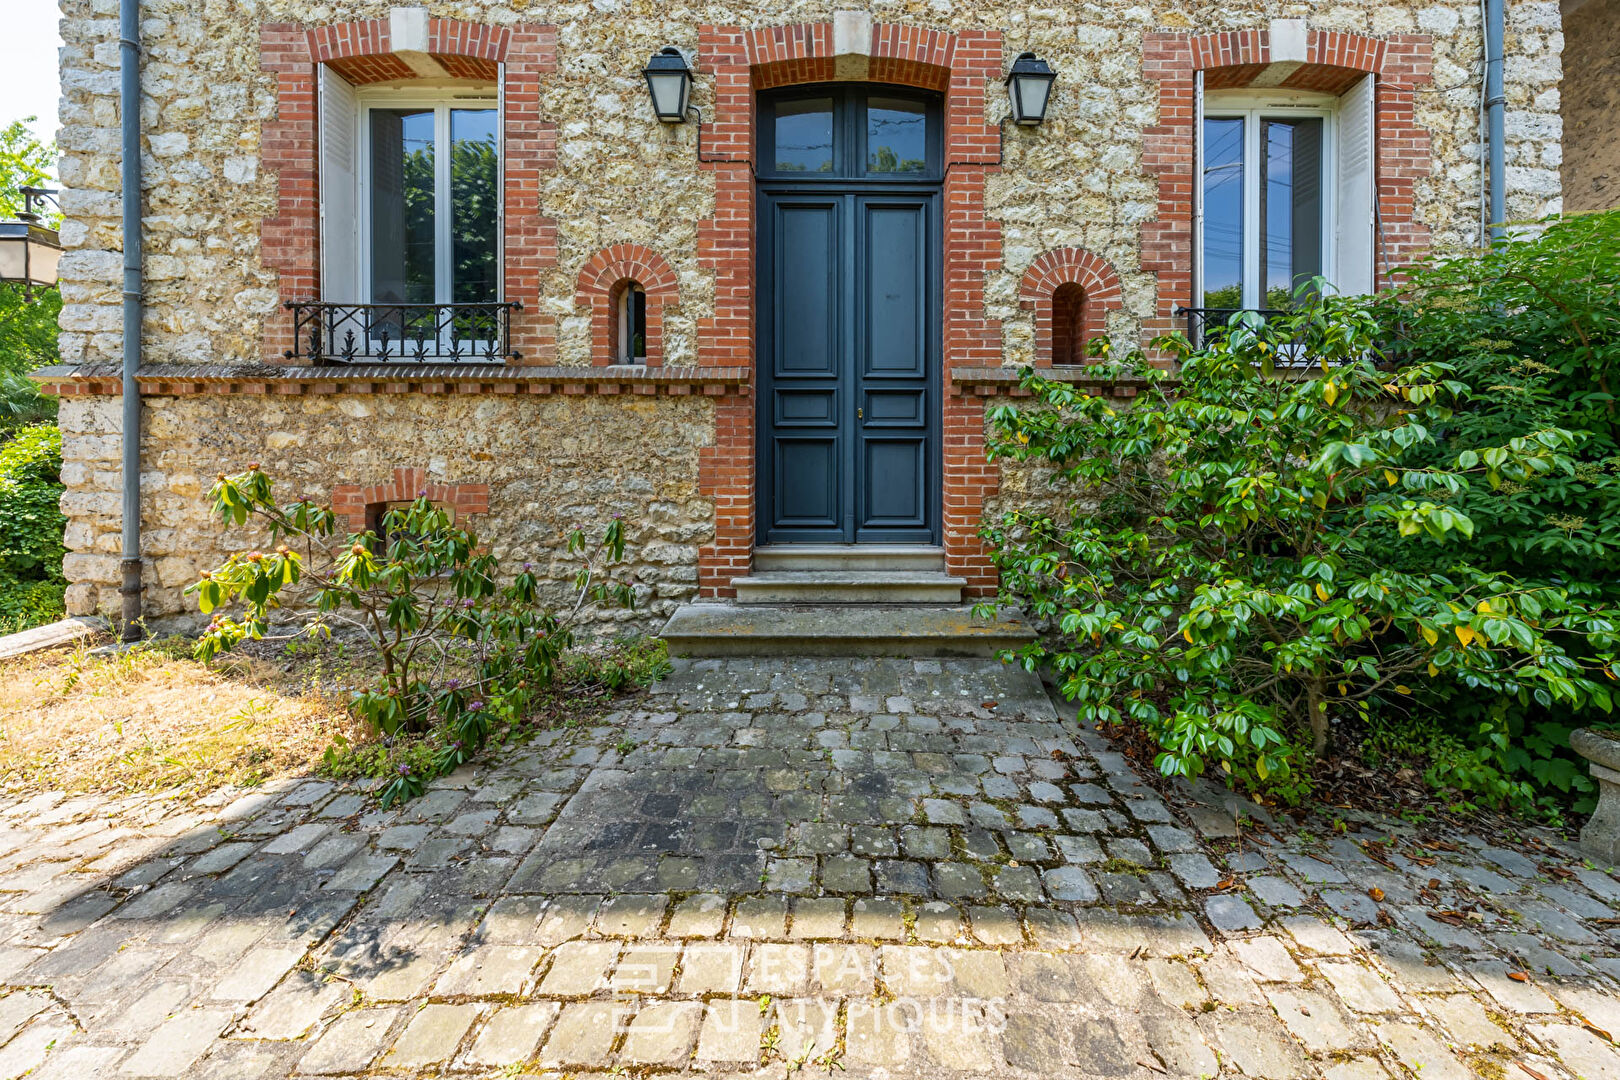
[1285, 195]
[410, 204]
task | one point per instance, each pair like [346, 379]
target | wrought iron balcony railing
[1210, 324]
[402, 333]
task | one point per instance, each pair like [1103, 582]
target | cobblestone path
[903, 868]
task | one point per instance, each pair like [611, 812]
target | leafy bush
[31, 524]
[1220, 574]
[461, 647]
[1531, 328]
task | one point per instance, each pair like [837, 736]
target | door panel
[893, 268]
[849, 365]
[807, 307]
[893, 264]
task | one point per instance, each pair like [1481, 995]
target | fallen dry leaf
[1385, 918]
[1532, 1072]
[1377, 894]
[1518, 976]
[1599, 1032]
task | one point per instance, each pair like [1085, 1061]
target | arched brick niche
[363, 504]
[960, 66]
[363, 51]
[1332, 62]
[601, 287]
[1071, 291]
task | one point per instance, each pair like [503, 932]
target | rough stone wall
[1076, 181]
[1591, 99]
[553, 464]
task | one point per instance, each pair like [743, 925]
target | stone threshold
[74, 380]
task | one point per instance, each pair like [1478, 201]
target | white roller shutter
[1354, 245]
[340, 189]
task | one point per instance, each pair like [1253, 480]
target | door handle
[859, 413]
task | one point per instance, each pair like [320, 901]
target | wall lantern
[29, 251]
[669, 81]
[1029, 84]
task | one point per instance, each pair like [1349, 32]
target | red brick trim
[352, 501]
[173, 380]
[745, 61]
[361, 51]
[1100, 291]
[1334, 61]
[600, 285]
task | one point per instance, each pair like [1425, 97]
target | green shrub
[31, 524]
[26, 604]
[1226, 572]
[461, 647]
[1531, 329]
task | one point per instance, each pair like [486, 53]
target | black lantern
[29, 251]
[1029, 84]
[669, 81]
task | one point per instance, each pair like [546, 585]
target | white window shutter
[340, 189]
[1197, 297]
[1354, 230]
[500, 174]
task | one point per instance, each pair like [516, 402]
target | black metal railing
[1205, 325]
[402, 333]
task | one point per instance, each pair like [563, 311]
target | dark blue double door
[849, 316]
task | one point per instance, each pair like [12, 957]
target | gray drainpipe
[129, 105]
[1495, 107]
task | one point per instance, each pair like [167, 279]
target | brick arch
[1099, 287]
[960, 66]
[1333, 61]
[358, 503]
[364, 51]
[600, 284]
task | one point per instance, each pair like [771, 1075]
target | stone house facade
[781, 322]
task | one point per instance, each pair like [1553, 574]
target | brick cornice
[282, 380]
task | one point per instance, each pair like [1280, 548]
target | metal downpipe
[1495, 111]
[129, 107]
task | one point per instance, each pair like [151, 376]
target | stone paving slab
[900, 868]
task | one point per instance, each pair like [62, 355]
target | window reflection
[896, 136]
[402, 218]
[1223, 213]
[804, 135]
[1291, 207]
[474, 200]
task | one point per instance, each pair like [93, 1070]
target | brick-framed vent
[363, 52]
[601, 286]
[362, 505]
[961, 66]
[1333, 62]
[1071, 291]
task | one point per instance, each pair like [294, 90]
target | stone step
[849, 587]
[773, 557]
[721, 629]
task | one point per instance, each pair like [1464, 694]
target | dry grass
[153, 719]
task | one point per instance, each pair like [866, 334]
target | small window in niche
[1068, 324]
[632, 324]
